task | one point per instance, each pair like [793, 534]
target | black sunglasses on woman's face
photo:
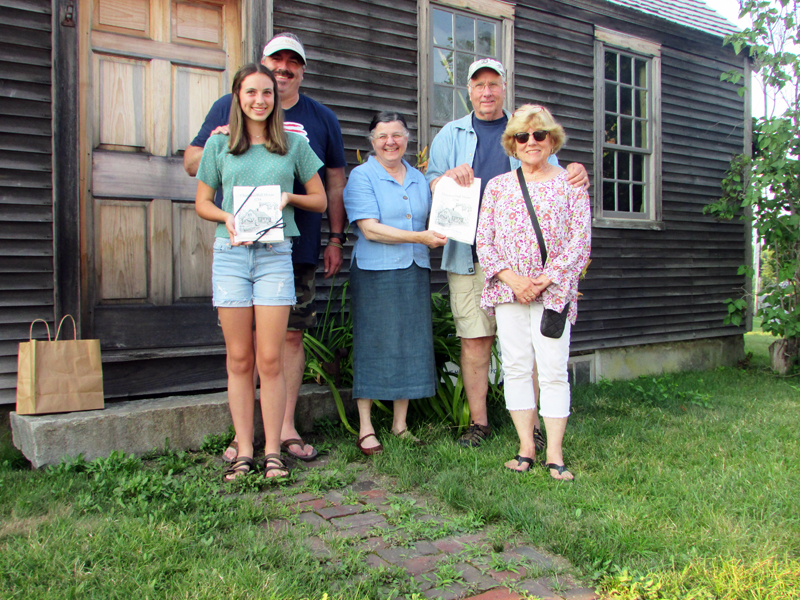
[523, 136]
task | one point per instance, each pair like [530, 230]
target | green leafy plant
[766, 188]
[329, 349]
[215, 444]
[449, 405]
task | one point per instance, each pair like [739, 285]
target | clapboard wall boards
[646, 286]
[643, 286]
[362, 58]
[26, 198]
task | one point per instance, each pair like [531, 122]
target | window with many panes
[627, 74]
[457, 40]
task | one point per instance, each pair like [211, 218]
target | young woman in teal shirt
[253, 281]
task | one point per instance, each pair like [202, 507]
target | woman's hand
[432, 239]
[541, 283]
[230, 225]
[523, 287]
[284, 200]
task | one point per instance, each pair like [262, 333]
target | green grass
[688, 482]
[686, 487]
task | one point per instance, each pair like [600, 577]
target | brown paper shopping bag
[59, 375]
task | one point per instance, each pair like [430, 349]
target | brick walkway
[404, 536]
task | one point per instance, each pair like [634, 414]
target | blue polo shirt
[371, 193]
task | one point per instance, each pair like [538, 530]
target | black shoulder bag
[553, 322]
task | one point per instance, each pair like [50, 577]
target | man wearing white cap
[464, 149]
[285, 56]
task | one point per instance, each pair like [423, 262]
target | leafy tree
[768, 184]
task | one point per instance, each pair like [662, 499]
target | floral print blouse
[506, 239]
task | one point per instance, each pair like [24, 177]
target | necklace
[539, 175]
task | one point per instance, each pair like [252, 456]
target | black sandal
[242, 465]
[273, 462]
[520, 461]
[560, 470]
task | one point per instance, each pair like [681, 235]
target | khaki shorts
[304, 312]
[465, 302]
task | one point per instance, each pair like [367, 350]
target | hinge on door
[69, 14]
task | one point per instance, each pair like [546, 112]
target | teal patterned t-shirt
[255, 167]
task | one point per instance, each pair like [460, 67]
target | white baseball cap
[487, 63]
[285, 41]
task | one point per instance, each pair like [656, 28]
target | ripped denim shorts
[260, 274]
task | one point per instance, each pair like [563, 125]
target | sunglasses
[523, 137]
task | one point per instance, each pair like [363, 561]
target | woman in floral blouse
[519, 287]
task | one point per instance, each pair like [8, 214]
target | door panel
[195, 91]
[124, 16]
[195, 241]
[122, 235]
[120, 103]
[153, 70]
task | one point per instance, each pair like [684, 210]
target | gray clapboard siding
[645, 286]
[362, 58]
[26, 198]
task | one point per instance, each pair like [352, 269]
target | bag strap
[33, 359]
[532, 213]
[74, 327]
[30, 332]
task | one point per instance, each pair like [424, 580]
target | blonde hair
[536, 117]
[275, 136]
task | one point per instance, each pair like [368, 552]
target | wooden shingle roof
[691, 13]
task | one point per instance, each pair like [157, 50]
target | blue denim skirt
[392, 334]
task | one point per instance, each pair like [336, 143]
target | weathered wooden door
[150, 71]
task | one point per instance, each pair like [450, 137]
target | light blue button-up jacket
[455, 145]
[371, 193]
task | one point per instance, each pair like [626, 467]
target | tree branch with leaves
[768, 184]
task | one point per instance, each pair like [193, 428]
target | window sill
[628, 224]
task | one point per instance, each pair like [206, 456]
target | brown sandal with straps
[273, 462]
[369, 451]
[242, 465]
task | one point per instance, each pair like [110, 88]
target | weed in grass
[475, 551]
[319, 481]
[501, 535]
[216, 444]
[500, 563]
[391, 582]
[445, 575]
[350, 497]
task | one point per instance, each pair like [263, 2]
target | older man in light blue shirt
[464, 149]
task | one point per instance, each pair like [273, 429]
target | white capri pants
[522, 344]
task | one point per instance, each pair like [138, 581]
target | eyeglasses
[480, 87]
[384, 137]
[523, 137]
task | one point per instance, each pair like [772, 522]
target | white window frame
[493, 9]
[651, 52]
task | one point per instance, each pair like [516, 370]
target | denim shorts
[260, 274]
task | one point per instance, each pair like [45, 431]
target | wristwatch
[342, 237]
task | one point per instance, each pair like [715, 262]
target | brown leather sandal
[286, 444]
[475, 435]
[273, 462]
[241, 466]
[234, 445]
[369, 451]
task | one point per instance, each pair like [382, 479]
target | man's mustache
[283, 73]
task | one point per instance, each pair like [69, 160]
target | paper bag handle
[30, 333]
[74, 327]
